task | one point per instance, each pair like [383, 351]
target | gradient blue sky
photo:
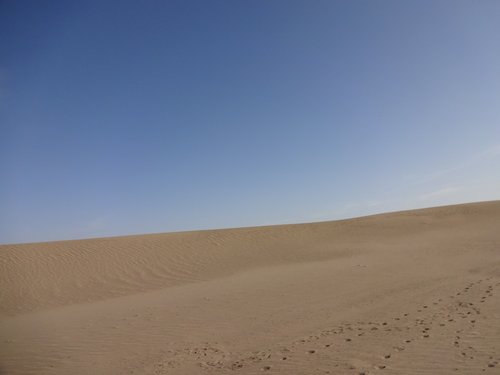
[121, 117]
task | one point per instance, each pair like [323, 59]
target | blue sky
[122, 117]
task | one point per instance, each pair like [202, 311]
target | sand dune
[412, 292]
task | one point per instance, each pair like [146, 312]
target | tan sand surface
[413, 292]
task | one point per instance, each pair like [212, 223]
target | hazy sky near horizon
[122, 117]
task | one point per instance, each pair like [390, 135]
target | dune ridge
[287, 298]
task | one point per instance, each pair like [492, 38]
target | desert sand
[413, 292]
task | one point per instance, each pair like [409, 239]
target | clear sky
[123, 117]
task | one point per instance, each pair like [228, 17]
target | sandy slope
[413, 292]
